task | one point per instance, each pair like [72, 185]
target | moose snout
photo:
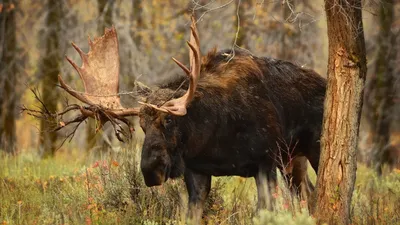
[154, 176]
[154, 167]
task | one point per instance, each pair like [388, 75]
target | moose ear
[142, 90]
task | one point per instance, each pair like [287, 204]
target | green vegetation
[71, 189]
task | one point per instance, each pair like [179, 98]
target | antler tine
[71, 91]
[194, 40]
[194, 45]
[81, 53]
[77, 68]
[178, 106]
[187, 71]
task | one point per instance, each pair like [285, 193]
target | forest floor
[72, 189]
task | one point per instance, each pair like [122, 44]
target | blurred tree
[241, 19]
[137, 21]
[380, 93]
[136, 32]
[296, 30]
[8, 76]
[343, 101]
[154, 19]
[105, 9]
[50, 69]
[290, 36]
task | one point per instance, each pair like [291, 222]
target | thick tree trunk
[346, 78]
[50, 69]
[382, 86]
[8, 77]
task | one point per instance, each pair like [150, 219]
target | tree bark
[8, 77]
[343, 101]
[50, 69]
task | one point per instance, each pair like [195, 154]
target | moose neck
[217, 133]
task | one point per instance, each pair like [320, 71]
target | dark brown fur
[248, 112]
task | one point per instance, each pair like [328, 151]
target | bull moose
[236, 116]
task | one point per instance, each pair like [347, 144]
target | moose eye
[167, 121]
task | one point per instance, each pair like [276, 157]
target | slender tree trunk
[382, 86]
[343, 101]
[105, 8]
[137, 20]
[287, 51]
[153, 21]
[241, 8]
[297, 33]
[50, 69]
[137, 26]
[8, 77]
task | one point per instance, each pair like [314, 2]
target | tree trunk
[105, 8]
[295, 44]
[8, 77]
[50, 69]
[241, 8]
[343, 101]
[382, 86]
[137, 27]
[137, 20]
[288, 42]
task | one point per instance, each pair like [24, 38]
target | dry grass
[111, 191]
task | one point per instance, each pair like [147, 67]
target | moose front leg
[266, 181]
[198, 187]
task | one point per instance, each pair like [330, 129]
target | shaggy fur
[248, 114]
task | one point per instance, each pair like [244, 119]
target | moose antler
[99, 73]
[178, 106]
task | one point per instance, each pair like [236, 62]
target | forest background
[35, 36]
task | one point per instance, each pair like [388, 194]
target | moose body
[240, 115]
[247, 111]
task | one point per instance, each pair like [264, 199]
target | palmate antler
[99, 73]
[178, 106]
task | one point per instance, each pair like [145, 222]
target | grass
[71, 189]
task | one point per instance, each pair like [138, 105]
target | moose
[236, 117]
